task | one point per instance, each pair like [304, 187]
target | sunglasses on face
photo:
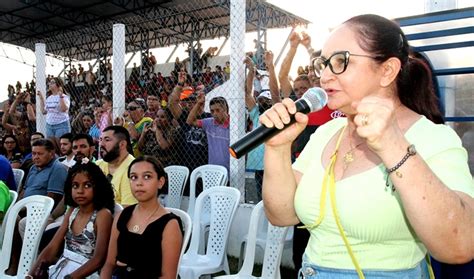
[132, 108]
[337, 62]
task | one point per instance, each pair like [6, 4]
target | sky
[324, 16]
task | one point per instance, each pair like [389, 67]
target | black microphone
[313, 100]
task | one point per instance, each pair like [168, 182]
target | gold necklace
[136, 228]
[348, 157]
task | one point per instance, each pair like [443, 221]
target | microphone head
[316, 98]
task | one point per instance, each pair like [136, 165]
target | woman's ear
[390, 69]
[161, 182]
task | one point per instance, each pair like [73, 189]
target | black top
[142, 252]
[191, 143]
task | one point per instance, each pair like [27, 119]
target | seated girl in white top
[85, 228]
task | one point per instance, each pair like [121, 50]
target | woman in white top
[56, 109]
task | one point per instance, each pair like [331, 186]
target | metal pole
[118, 70]
[40, 52]
[236, 97]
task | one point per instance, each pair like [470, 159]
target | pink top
[104, 121]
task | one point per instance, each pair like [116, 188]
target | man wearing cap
[192, 142]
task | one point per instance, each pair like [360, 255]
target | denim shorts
[57, 130]
[311, 271]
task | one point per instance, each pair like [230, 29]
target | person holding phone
[158, 138]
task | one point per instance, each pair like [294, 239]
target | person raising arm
[372, 188]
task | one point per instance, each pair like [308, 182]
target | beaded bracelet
[411, 151]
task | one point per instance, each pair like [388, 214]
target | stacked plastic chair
[223, 202]
[275, 242]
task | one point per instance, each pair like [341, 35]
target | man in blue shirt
[34, 136]
[47, 175]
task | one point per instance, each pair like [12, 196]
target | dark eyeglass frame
[325, 62]
[133, 108]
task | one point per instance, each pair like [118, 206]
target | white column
[40, 53]
[118, 70]
[236, 93]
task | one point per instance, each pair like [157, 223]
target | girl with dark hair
[11, 150]
[146, 238]
[85, 228]
[56, 108]
[386, 197]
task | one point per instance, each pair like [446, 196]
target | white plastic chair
[18, 174]
[224, 202]
[262, 235]
[177, 177]
[38, 209]
[273, 249]
[117, 208]
[187, 226]
[13, 198]
[212, 176]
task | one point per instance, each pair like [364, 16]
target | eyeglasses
[132, 108]
[9, 142]
[337, 62]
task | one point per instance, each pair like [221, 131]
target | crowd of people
[88, 161]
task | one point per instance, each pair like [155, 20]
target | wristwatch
[68, 276]
[411, 150]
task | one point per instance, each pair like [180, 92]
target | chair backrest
[273, 248]
[187, 226]
[211, 175]
[18, 174]
[224, 202]
[177, 177]
[13, 198]
[117, 208]
[38, 209]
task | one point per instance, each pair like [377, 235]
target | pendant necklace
[136, 228]
[349, 155]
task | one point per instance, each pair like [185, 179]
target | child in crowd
[146, 239]
[106, 117]
[85, 228]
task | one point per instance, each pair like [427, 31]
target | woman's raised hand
[278, 116]
[376, 122]
[40, 94]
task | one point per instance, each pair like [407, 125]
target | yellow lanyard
[330, 178]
